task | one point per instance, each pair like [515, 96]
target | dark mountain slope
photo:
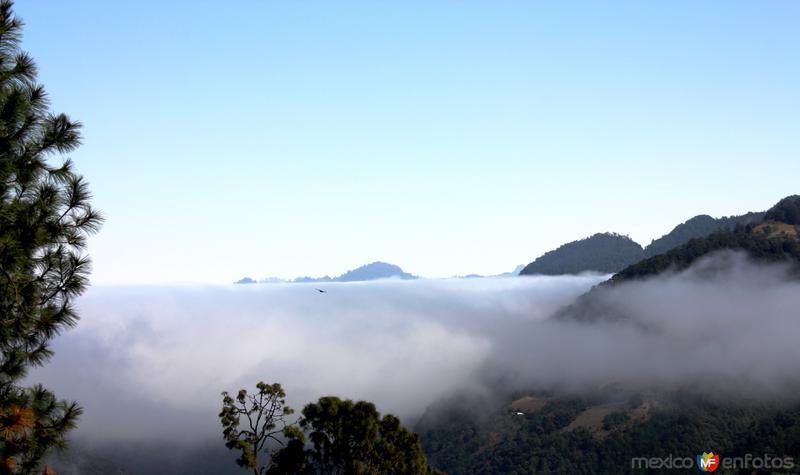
[603, 252]
[767, 241]
[699, 226]
[786, 211]
[611, 252]
[588, 435]
[608, 429]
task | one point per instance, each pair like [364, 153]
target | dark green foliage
[603, 252]
[786, 210]
[33, 422]
[292, 459]
[609, 252]
[757, 245]
[266, 412]
[756, 240]
[349, 437]
[688, 426]
[45, 218]
[615, 420]
[697, 227]
[538, 443]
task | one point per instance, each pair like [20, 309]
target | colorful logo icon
[708, 461]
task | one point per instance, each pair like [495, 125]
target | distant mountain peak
[372, 271]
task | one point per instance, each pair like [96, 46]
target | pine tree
[350, 437]
[45, 218]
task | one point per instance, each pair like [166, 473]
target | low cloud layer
[150, 362]
[726, 327]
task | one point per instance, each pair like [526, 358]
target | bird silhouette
[321, 291]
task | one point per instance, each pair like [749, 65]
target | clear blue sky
[288, 138]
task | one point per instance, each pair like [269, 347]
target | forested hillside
[603, 252]
[605, 427]
[767, 241]
[772, 240]
[699, 226]
[585, 435]
[611, 252]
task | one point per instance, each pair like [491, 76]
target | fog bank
[149, 363]
[726, 327]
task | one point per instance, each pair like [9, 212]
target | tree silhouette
[349, 437]
[45, 218]
[266, 413]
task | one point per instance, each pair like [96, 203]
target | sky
[247, 138]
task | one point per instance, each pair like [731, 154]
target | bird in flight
[321, 291]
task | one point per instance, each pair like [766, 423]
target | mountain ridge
[611, 252]
[372, 271]
[776, 238]
[601, 252]
[610, 425]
